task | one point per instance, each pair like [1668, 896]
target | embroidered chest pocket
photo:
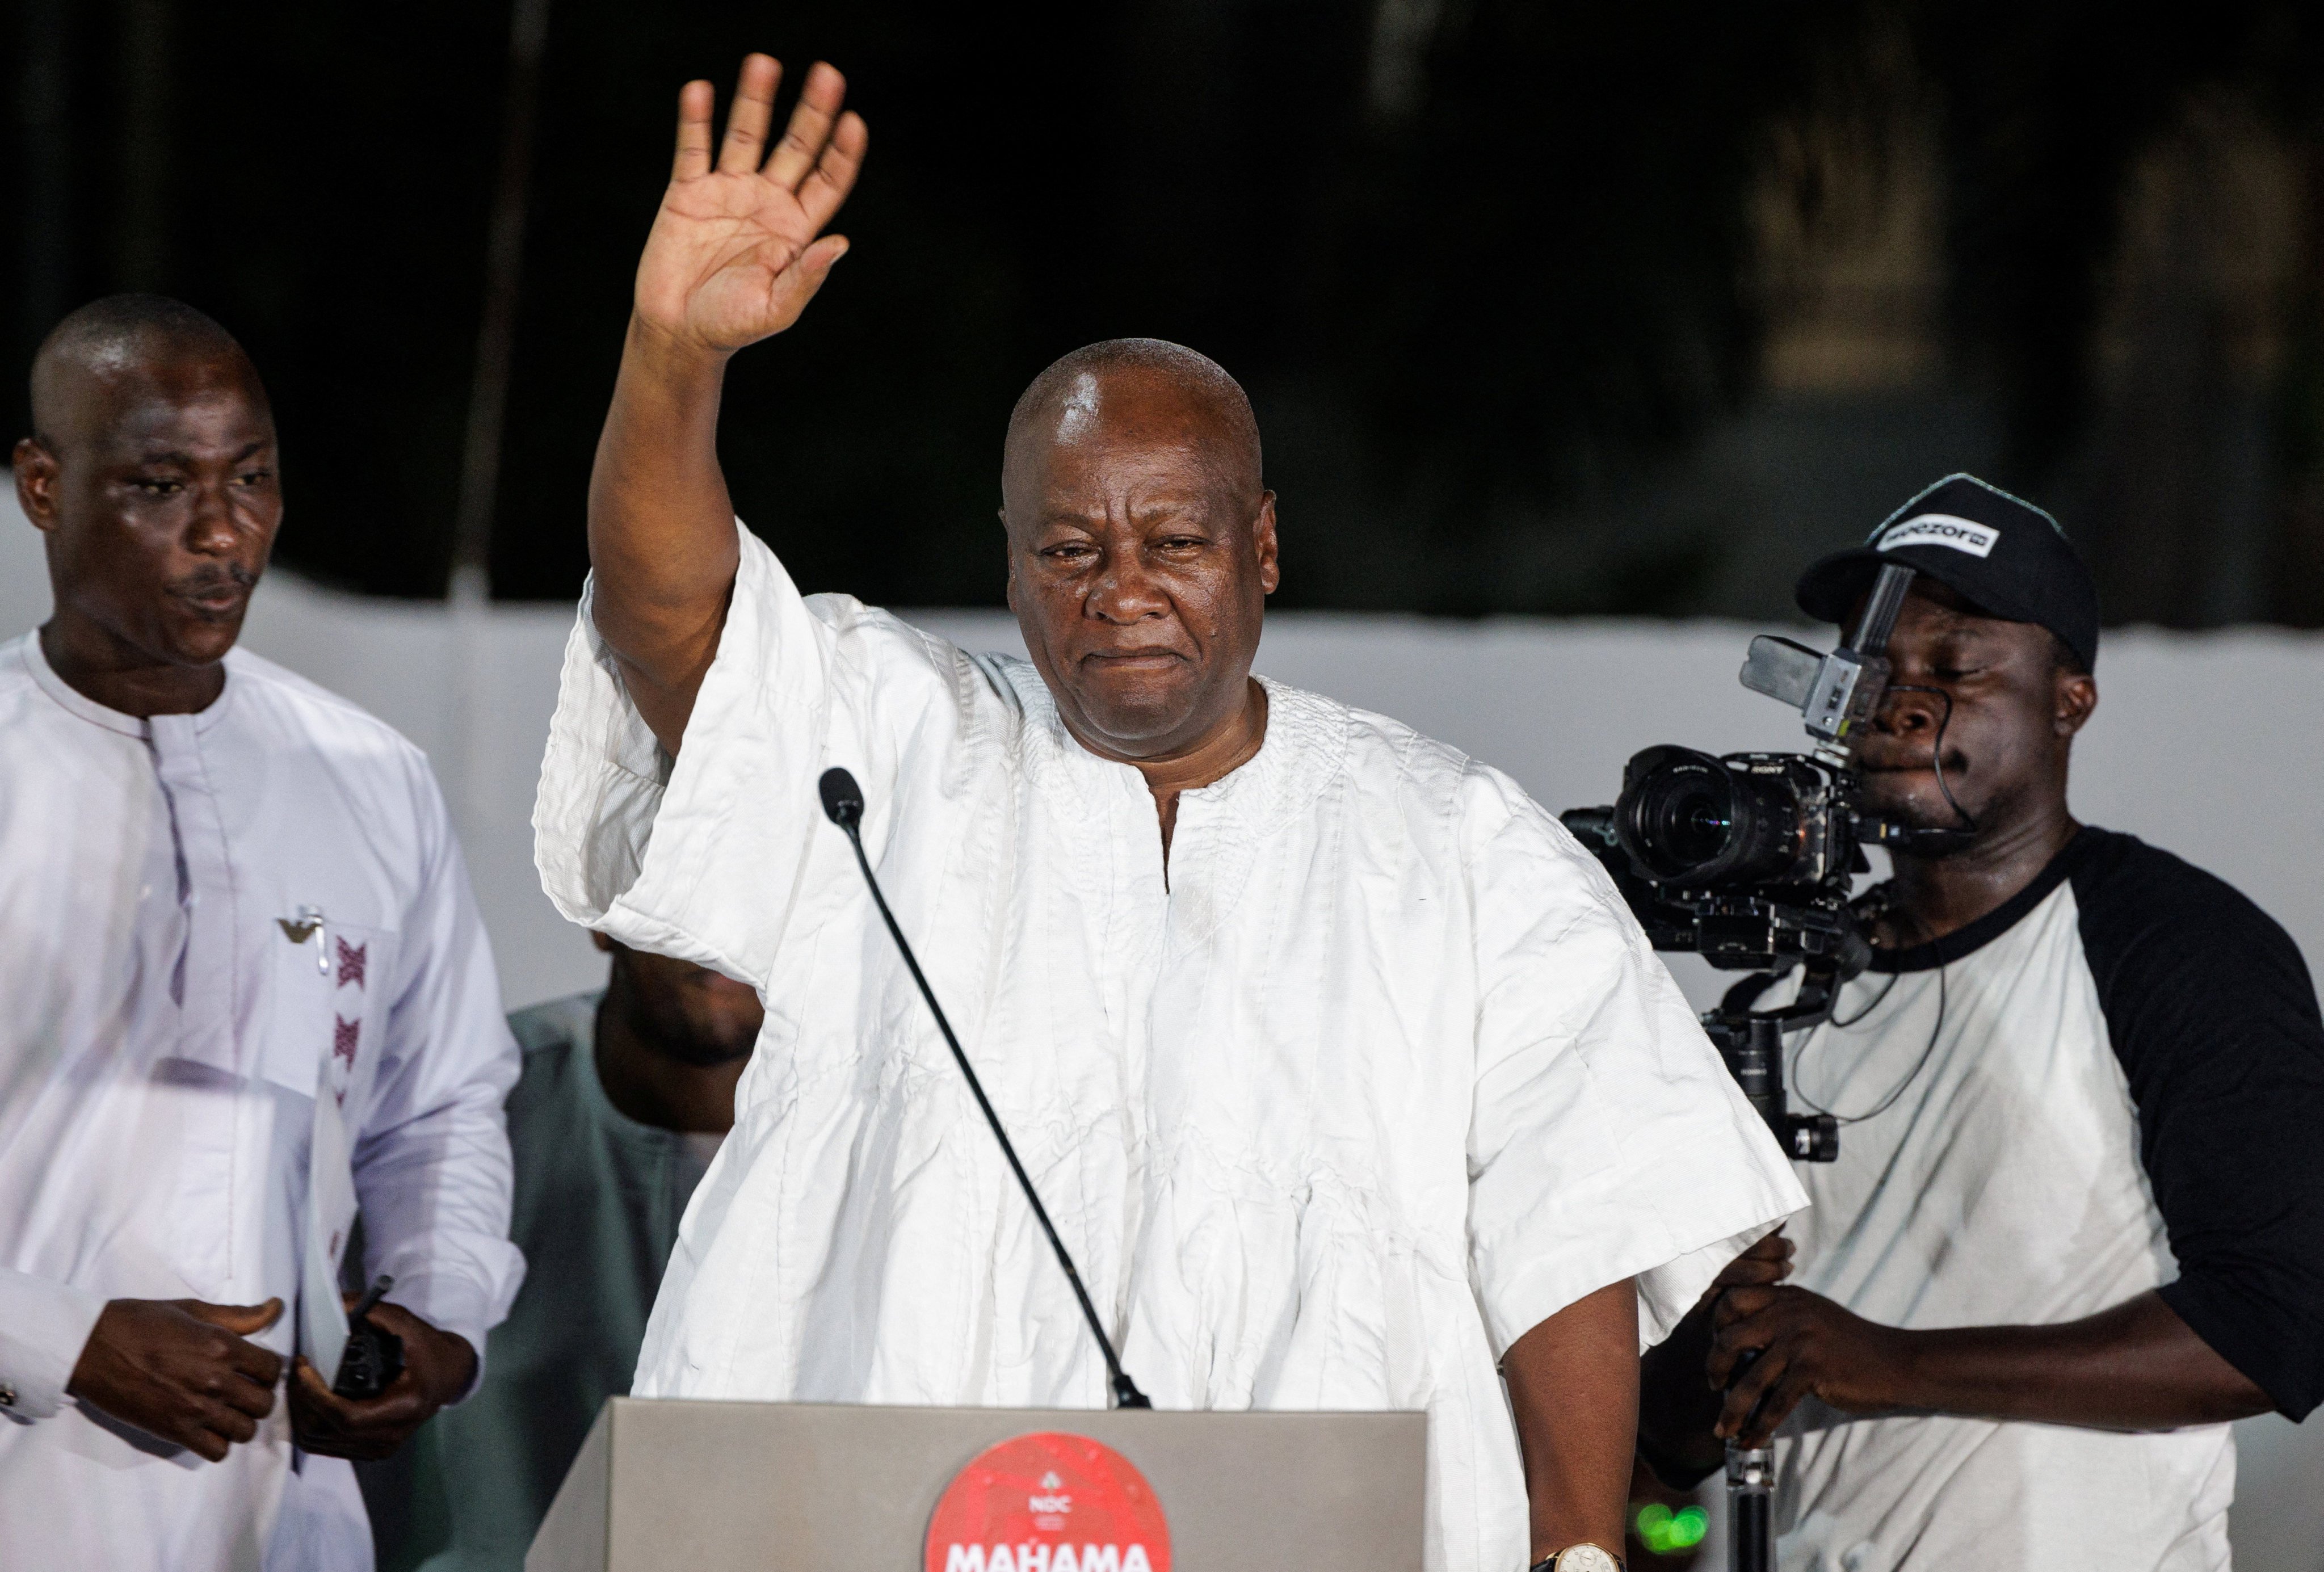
[326, 1023]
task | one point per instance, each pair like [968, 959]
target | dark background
[1544, 307]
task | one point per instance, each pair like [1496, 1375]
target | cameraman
[2077, 1224]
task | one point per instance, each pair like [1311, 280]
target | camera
[1748, 860]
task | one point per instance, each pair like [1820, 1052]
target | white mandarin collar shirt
[200, 913]
[1382, 1077]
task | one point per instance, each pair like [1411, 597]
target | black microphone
[842, 802]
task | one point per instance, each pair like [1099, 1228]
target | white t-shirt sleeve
[705, 857]
[1607, 1140]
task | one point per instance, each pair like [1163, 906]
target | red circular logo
[1048, 1502]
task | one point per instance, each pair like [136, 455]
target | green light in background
[1665, 1532]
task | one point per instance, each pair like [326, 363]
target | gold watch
[1582, 1558]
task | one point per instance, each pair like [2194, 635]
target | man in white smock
[1346, 1074]
[246, 988]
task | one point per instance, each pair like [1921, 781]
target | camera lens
[1677, 813]
[1693, 817]
[1688, 818]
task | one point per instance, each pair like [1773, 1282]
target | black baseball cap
[2004, 556]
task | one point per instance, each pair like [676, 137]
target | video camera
[1748, 860]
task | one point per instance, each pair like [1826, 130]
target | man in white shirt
[1344, 1072]
[247, 987]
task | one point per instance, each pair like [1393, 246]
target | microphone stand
[843, 803]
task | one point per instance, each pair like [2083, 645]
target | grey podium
[790, 1487]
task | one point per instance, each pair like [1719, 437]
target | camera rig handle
[1751, 1042]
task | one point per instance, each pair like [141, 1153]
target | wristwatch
[1581, 1557]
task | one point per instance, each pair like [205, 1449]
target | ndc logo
[1940, 530]
[1048, 1502]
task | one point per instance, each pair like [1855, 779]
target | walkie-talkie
[375, 1356]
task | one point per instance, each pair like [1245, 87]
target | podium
[815, 1488]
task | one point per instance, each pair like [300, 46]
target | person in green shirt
[624, 1098]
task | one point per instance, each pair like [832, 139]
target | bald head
[1100, 387]
[124, 338]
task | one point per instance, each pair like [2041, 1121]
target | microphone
[842, 804]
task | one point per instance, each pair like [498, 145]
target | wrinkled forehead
[1105, 432]
[1124, 409]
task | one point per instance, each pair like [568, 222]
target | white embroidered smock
[1381, 1077]
[162, 1038]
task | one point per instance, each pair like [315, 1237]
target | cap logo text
[1941, 529]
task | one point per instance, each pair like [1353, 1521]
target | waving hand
[733, 255]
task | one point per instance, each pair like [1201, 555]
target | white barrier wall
[2208, 744]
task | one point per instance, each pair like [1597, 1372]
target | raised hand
[733, 255]
[736, 252]
[182, 1370]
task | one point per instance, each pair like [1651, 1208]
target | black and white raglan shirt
[2112, 1084]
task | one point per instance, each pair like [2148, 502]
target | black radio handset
[843, 803]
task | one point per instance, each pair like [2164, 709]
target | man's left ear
[2077, 697]
[1262, 529]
